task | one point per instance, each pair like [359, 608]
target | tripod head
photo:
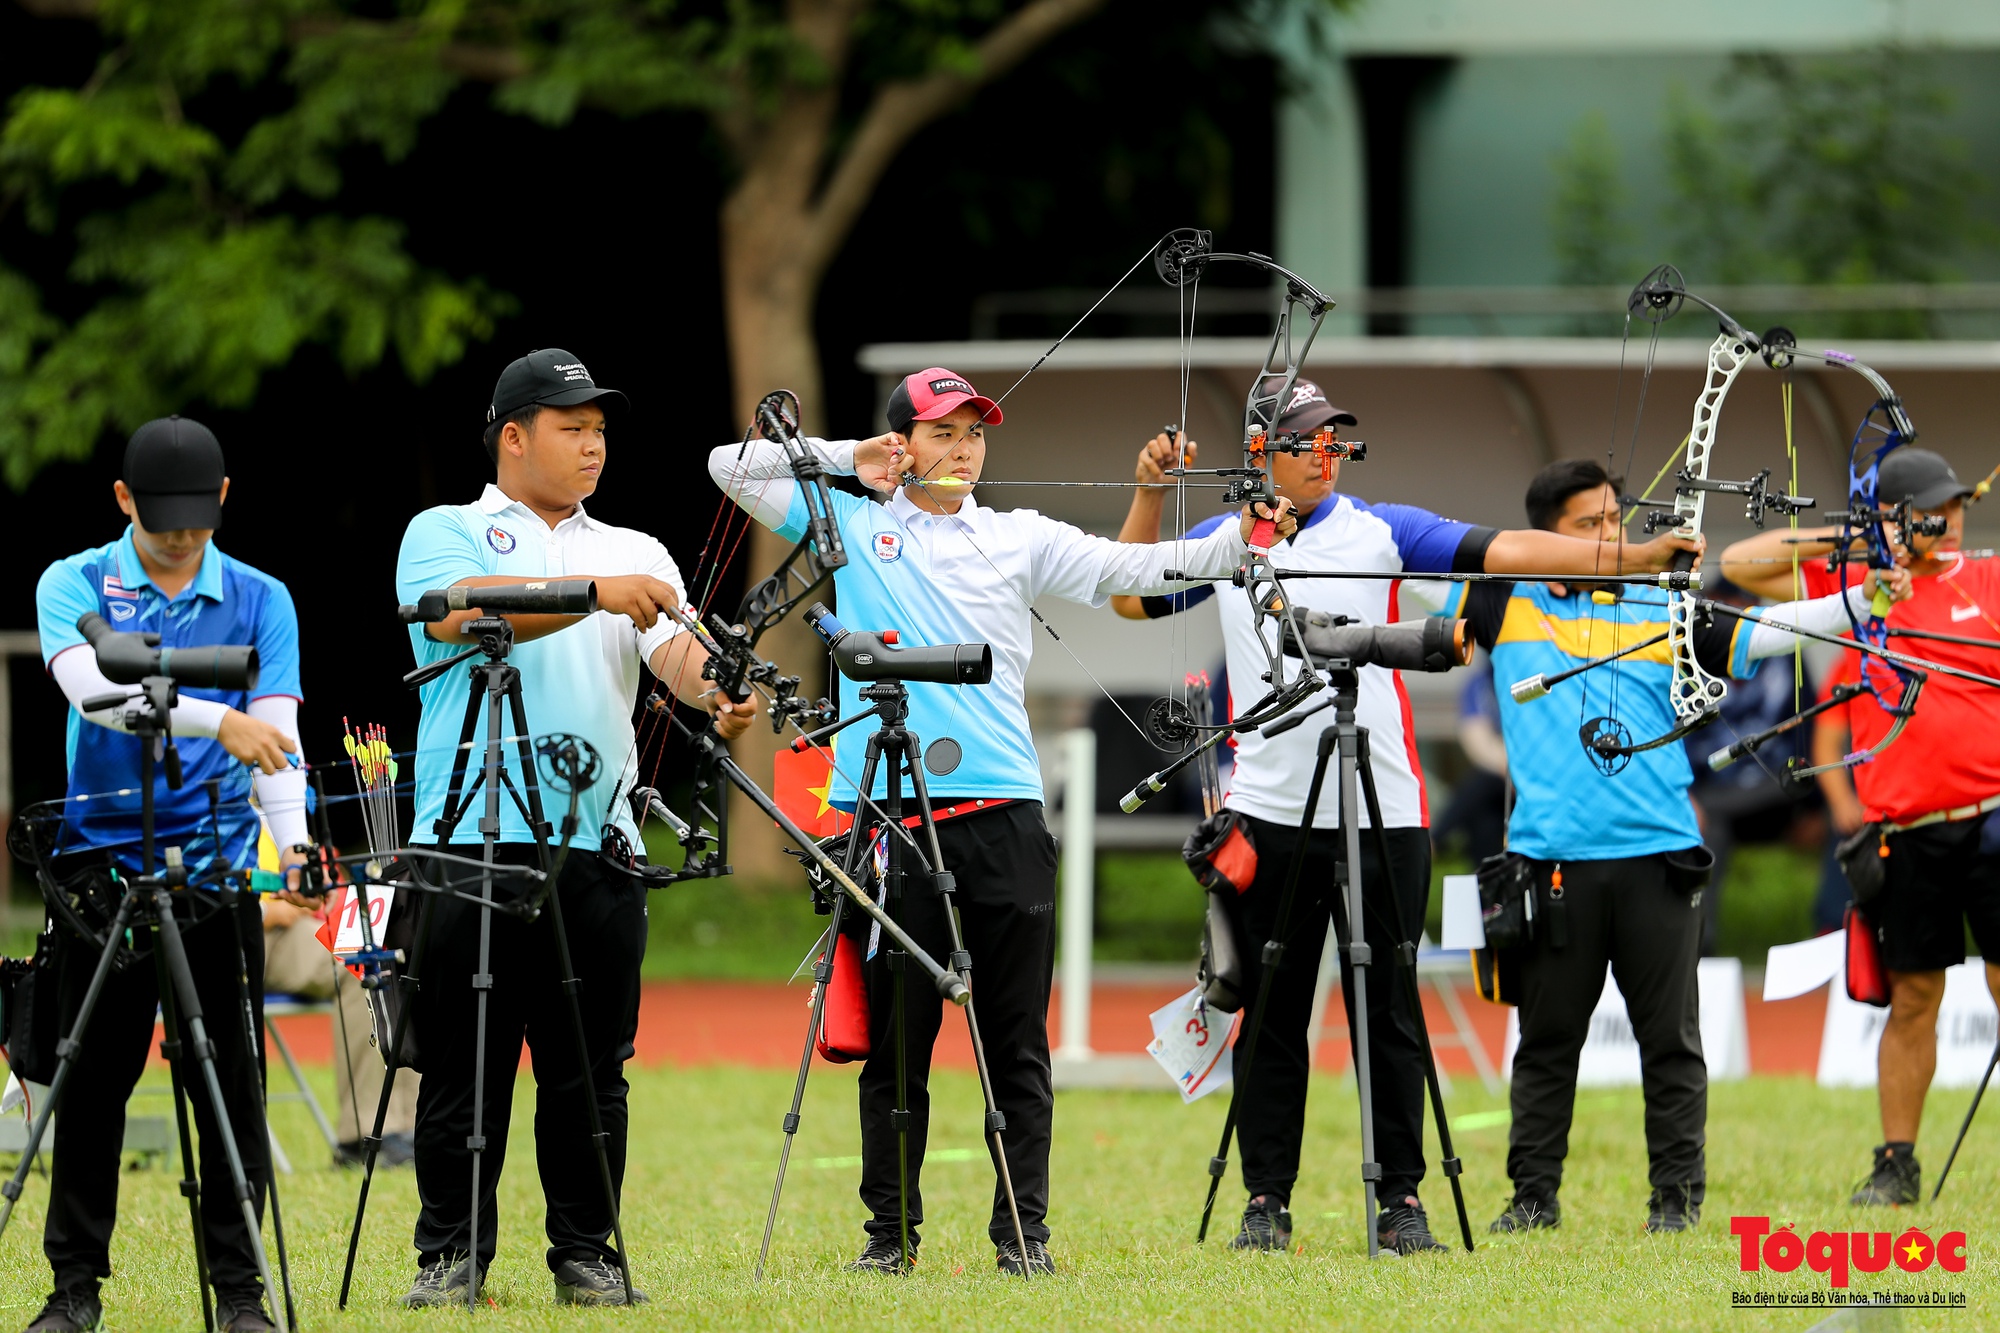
[495, 639]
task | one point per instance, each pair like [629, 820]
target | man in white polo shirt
[938, 567]
[1272, 773]
[580, 674]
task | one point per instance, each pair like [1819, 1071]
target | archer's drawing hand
[1895, 582]
[879, 463]
[733, 719]
[1653, 556]
[1158, 455]
[641, 597]
[1288, 520]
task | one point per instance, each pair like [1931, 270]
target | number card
[1191, 1042]
[347, 938]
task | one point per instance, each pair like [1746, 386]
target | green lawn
[1129, 1175]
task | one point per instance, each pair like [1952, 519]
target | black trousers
[90, 1123]
[1622, 912]
[605, 914]
[1005, 863]
[1271, 1098]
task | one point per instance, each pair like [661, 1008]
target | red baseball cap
[937, 392]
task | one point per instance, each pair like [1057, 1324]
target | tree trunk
[769, 284]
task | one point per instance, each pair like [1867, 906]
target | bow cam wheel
[1608, 742]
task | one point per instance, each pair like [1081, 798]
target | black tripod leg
[1273, 956]
[961, 962]
[66, 1052]
[253, 1050]
[1406, 958]
[182, 978]
[1970, 1112]
[174, 1053]
[822, 979]
[409, 981]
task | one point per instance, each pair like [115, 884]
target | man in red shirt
[1931, 790]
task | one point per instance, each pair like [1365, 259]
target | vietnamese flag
[800, 783]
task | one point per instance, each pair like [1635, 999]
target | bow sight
[736, 669]
[1758, 499]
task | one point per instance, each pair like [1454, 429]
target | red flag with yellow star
[800, 784]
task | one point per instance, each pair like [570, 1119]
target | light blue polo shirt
[583, 680]
[228, 602]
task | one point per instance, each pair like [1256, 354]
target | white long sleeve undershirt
[282, 796]
[1771, 635]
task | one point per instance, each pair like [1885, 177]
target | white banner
[1967, 1022]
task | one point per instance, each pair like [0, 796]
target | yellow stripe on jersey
[1581, 636]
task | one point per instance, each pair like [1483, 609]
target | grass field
[1128, 1175]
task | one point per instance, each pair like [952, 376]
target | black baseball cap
[173, 467]
[553, 378]
[1307, 409]
[1920, 476]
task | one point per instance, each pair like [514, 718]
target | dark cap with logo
[933, 393]
[1307, 409]
[551, 377]
[173, 467]
[1919, 476]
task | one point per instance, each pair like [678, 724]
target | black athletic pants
[1624, 913]
[1005, 863]
[1271, 1098]
[90, 1123]
[605, 914]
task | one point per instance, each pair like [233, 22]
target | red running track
[754, 1023]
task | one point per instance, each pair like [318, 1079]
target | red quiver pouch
[843, 1031]
[1867, 982]
[1220, 853]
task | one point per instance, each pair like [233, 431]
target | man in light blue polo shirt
[164, 576]
[580, 674]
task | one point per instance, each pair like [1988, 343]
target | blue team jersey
[227, 603]
[1565, 808]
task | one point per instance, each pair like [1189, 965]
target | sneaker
[1007, 1258]
[1526, 1214]
[442, 1282]
[1404, 1228]
[1672, 1209]
[1267, 1225]
[70, 1310]
[396, 1150]
[242, 1311]
[1895, 1181]
[884, 1254]
[592, 1282]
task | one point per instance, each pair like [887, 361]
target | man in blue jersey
[1615, 859]
[938, 567]
[545, 434]
[1267, 792]
[164, 576]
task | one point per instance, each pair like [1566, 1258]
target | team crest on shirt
[888, 547]
[122, 611]
[500, 539]
[115, 587]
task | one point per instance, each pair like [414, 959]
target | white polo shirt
[583, 680]
[1271, 774]
[967, 577]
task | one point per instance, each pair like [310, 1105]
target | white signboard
[1610, 1056]
[1965, 1032]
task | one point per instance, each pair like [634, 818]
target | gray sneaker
[1267, 1225]
[592, 1282]
[1526, 1214]
[1007, 1258]
[442, 1282]
[884, 1254]
[70, 1310]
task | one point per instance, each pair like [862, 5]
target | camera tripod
[497, 684]
[149, 899]
[889, 701]
[1350, 922]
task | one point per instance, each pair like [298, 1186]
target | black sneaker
[1404, 1228]
[70, 1310]
[1526, 1214]
[396, 1150]
[884, 1254]
[592, 1282]
[1672, 1209]
[442, 1282]
[1267, 1225]
[1007, 1258]
[1896, 1180]
[242, 1311]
